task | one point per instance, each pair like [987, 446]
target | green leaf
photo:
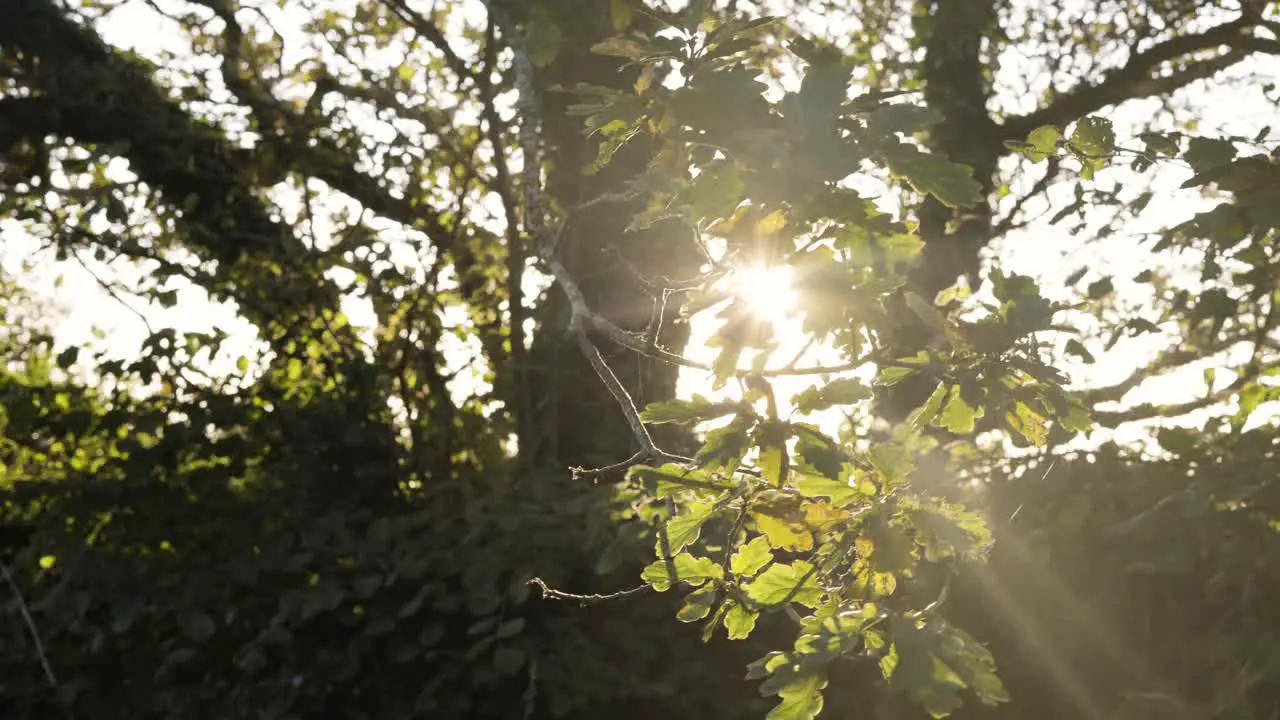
[890, 375]
[1208, 154]
[544, 38]
[1177, 440]
[774, 463]
[1094, 136]
[780, 582]
[684, 529]
[925, 414]
[751, 557]
[952, 184]
[510, 628]
[1161, 143]
[196, 625]
[893, 462]
[697, 604]
[957, 415]
[694, 13]
[1028, 423]
[1092, 143]
[818, 453]
[845, 391]
[724, 447]
[1100, 289]
[253, 661]
[689, 569]
[841, 493]
[507, 660]
[740, 622]
[685, 412]
[771, 223]
[1044, 143]
[620, 14]
[801, 700]
[716, 192]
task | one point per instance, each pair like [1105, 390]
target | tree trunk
[952, 33]
[578, 423]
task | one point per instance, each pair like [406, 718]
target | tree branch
[83, 89]
[428, 30]
[1166, 361]
[1134, 79]
[1010, 222]
[313, 155]
[1146, 411]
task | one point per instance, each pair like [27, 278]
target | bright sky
[1045, 252]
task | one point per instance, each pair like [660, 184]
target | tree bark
[955, 86]
[579, 421]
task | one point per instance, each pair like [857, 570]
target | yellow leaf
[823, 516]
[620, 12]
[865, 546]
[782, 534]
[773, 464]
[771, 223]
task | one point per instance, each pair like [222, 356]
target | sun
[767, 290]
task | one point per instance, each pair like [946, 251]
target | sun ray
[768, 291]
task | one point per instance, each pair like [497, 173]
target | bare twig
[589, 599]
[635, 459]
[31, 628]
[1010, 221]
[606, 375]
[427, 29]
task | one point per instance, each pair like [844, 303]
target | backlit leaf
[751, 557]
[783, 534]
[780, 582]
[684, 529]
[684, 412]
[689, 569]
[697, 604]
[801, 698]
[740, 622]
[844, 391]
[816, 486]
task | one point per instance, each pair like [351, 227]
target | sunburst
[767, 290]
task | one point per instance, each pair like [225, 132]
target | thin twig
[31, 628]
[616, 389]
[639, 457]
[589, 599]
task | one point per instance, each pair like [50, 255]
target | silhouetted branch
[45, 665]
[1166, 361]
[1137, 79]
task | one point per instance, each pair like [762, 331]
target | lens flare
[766, 290]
